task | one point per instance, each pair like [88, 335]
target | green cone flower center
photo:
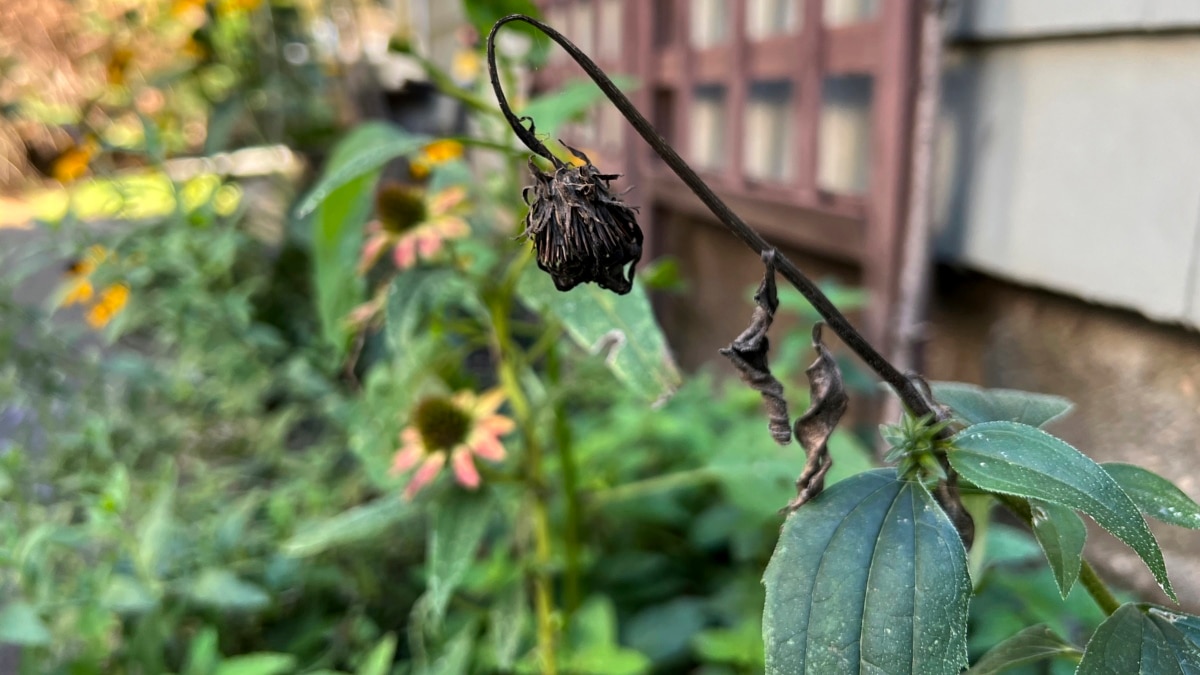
[399, 207]
[442, 424]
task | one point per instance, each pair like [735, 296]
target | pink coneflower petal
[489, 402]
[371, 250]
[464, 469]
[452, 227]
[496, 425]
[488, 447]
[429, 244]
[445, 201]
[407, 457]
[429, 470]
[405, 254]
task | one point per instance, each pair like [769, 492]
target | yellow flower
[73, 163]
[466, 66]
[118, 65]
[459, 429]
[414, 224]
[112, 300]
[80, 290]
[438, 152]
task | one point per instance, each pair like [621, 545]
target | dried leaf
[748, 352]
[814, 427]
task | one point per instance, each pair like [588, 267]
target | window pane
[766, 18]
[769, 131]
[842, 12]
[709, 22]
[706, 127]
[557, 17]
[844, 155]
[583, 27]
[611, 31]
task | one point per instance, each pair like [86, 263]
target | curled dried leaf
[582, 231]
[814, 427]
[748, 353]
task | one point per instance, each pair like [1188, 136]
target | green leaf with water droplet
[1133, 641]
[1156, 496]
[1061, 535]
[1033, 644]
[975, 405]
[1017, 459]
[870, 576]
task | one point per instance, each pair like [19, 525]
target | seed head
[582, 231]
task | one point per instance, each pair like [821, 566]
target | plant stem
[570, 486]
[903, 386]
[508, 357]
[1087, 574]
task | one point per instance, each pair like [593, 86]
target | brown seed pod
[582, 231]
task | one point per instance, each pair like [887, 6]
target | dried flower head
[582, 231]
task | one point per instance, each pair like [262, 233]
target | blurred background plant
[208, 377]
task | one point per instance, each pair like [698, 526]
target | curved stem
[904, 388]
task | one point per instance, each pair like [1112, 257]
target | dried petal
[814, 427]
[582, 232]
[748, 353]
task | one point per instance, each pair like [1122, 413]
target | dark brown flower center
[399, 207]
[442, 424]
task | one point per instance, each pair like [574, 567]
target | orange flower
[80, 290]
[73, 163]
[438, 152]
[414, 224]
[459, 429]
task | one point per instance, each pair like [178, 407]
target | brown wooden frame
[864, 229]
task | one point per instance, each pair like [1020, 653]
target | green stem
[570, 482]
[1091, 581]
[508, 357]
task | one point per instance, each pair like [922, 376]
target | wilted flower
[582, 231]
[459, 429]
[413, 223]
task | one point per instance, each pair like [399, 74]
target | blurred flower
[73, 163]
[413, 223]
[466, 66]
[459, 429]
[80, 289]
[112, 300]
[438, 152]
[118, 65]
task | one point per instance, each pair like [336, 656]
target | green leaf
[221, 589]
[1131, 642]
[363, 523]
[593, 640]
[622, 327]
[975, 405]
[418, 293]
[126, 595]
[363, 151]
[870, 576]
[1187, 624]
[1033, 644]
[264, 663]
[550, 112]
[456, 528]
[1021, 460]
[154, 531]
[1061, 535]
[1156, 496]
[665, 631]
[484, 13]
[21, 625]
[379, 661]
[456, 657]
[342, 200]
[507, 621]
[740, 646]
[202, 653]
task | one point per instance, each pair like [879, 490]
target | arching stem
[903, 386]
